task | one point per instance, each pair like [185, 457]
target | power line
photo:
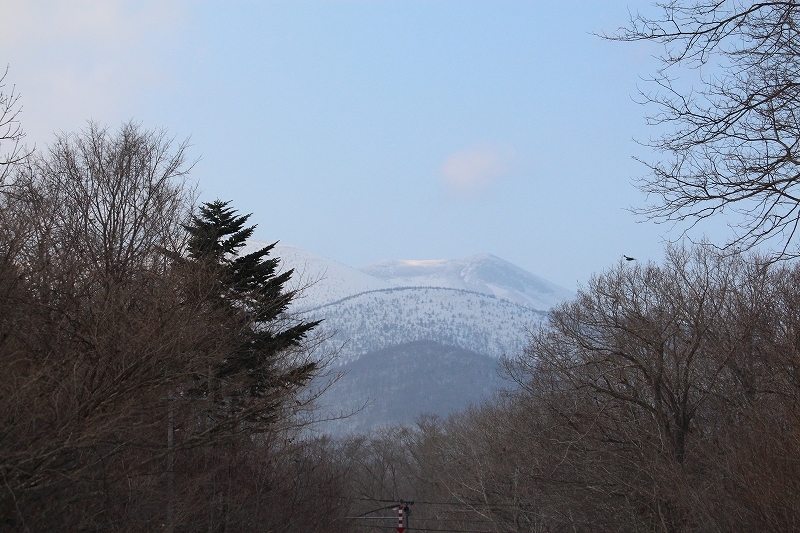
[464, 504]
[374, 510]
[432, 529]
[421, 519]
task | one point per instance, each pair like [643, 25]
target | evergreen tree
[261, 370]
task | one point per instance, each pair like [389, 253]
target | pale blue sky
[373, 129]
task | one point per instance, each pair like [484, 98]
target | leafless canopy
[733, 142]
[105, 333]
[11, 134]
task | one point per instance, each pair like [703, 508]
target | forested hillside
[397, 384]
[379, 319]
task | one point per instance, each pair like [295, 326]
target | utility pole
[403, 513]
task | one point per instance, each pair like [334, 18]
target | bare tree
[106, 329]
[10, 130]
[114, 203]
[664, 389]
[734, 141]
[96, 327]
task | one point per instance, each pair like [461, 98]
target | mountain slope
[397, 384]
[484, 273]
[378, 319]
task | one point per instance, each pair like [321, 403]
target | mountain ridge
[322, 280]
[404, 288]
[484, 273]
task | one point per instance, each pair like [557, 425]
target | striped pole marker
[400, 527]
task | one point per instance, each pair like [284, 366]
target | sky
[369, 130]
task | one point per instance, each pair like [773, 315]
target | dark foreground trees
[144, 387]
[93, 331]
[664, 398]
[647, 376]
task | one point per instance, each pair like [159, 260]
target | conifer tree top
[218, 232]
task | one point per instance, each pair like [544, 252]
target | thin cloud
[469, 172]
[74, 60]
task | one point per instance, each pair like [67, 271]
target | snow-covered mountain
[473, 321]
[481, 303]
[484, 273]
[327, 281]
[441, 325]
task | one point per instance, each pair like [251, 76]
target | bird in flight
[628, 258]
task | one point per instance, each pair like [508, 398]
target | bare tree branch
[12, 151]
[734, 144]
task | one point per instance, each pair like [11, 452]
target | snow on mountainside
[484, 273]
[480, 303]
[326, 280]
[378, 319]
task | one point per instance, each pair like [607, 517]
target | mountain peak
[484, 273]
[325, 280]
